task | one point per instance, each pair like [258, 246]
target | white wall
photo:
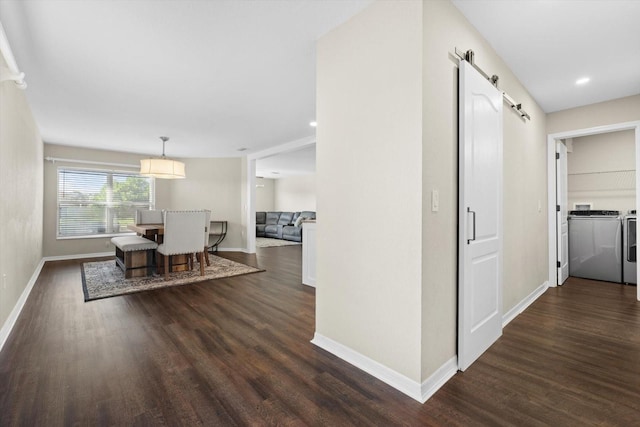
[524, 169]
[216, 184]
[602, 170]
[65, 247]
[295, 194]
[369, 151]
[21, 200]
[265, 196]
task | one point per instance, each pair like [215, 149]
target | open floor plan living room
[319, 212]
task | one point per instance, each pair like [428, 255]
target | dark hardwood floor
[236, 351]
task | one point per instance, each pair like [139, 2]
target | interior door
[562, 223]
[480, 216]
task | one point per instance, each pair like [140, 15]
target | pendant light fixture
[162, 168]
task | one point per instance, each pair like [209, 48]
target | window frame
[152, 191]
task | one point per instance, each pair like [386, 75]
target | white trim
[551, 182]
[221, 249]
[17, 309]
[79, 256]
[551, 211]
[387, 375]
[91, 162]
[439, 378]
[250, 207]
[95, 236]
[413, 389]
[7, 53]
[522, 305]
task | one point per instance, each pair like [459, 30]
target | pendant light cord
[164, 139]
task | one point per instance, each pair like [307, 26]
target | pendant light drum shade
[162, 168]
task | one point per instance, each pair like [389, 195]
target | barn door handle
[469, 211]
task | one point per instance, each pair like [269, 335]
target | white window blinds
[92, 202]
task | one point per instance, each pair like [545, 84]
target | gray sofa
[281, 225]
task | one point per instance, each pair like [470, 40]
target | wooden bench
[134, 255]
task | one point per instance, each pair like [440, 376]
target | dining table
[150, 231]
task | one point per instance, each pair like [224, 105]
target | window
[98, 203]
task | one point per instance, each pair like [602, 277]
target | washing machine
[595, 245]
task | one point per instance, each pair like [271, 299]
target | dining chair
[207, 226]
[182, 236]
[148, 216]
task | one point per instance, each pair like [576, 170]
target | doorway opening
[250, 207]
[552, 139]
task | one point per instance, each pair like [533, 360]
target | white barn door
[562, 223]
[480, 216]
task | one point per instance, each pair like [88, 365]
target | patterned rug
[104, 279]
[266, 242]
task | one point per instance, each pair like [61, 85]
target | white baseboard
[13, 316]
[413, 389]
[231, 250]
[79, 256]
[522, 305]
[438, 378]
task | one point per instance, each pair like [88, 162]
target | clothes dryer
[629, 264]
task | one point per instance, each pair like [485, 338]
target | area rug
[265, 242]
[104, 279]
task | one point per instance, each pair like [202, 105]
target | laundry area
[601, 199]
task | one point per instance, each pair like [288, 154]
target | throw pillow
[299, 220]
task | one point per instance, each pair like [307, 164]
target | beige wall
[54, 247]
[525, 194]
[215, 184]
[265, 196]
[387, 99]
[21, 203]
[369, 151]
[295, 194]
[604, 113]
[601, 170]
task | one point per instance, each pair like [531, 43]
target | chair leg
[166, 267]
[206, 256]
[202, 264]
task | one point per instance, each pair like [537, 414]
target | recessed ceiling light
[313, 124]
[242, 149]
[583, 80]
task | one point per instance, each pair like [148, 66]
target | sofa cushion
[290, 232]
[285, 218]
[261, 218]
[273, 231]
[272, 218]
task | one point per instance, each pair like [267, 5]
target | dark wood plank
[236, 351]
